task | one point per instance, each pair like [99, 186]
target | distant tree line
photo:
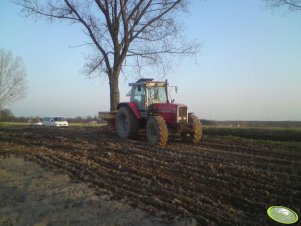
[282, 124]
[6, 115]
[87, 119]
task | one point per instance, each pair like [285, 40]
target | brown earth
[31, 195]
[218, 182]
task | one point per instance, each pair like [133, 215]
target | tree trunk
[114, 90]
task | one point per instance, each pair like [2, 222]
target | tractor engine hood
[165, 107]
[172, 113]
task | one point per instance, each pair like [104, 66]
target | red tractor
[150, 108]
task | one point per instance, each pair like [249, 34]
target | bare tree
[131, 34]
[291, 4]
[12, 78]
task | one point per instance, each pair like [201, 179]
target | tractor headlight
[182, 119]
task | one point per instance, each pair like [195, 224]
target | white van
[54, 121]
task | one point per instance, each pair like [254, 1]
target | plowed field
[218, 182]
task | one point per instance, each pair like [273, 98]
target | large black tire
[127, 125]
[196, 136]
[156, 131]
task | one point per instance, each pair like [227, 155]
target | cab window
[138, 96]
[157, 95]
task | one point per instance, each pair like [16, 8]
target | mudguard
[132, 106]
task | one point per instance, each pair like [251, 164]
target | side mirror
[176, 89]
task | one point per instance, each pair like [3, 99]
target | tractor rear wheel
[127, 124]
[156, 131]
[196, 136]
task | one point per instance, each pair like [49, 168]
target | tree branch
[90, 33]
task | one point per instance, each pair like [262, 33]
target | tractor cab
[146, 92]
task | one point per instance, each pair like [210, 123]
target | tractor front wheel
[196, 135]
[126, 123]
[156, 131]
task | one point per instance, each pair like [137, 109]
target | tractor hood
[165, 107]
[172, 113]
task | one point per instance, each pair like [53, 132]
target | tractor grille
[182, 116]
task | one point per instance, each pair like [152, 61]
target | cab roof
[148, 82]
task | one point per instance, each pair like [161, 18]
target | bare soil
[218, 182]
[31, 195]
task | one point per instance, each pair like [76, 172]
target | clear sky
[249, 67]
